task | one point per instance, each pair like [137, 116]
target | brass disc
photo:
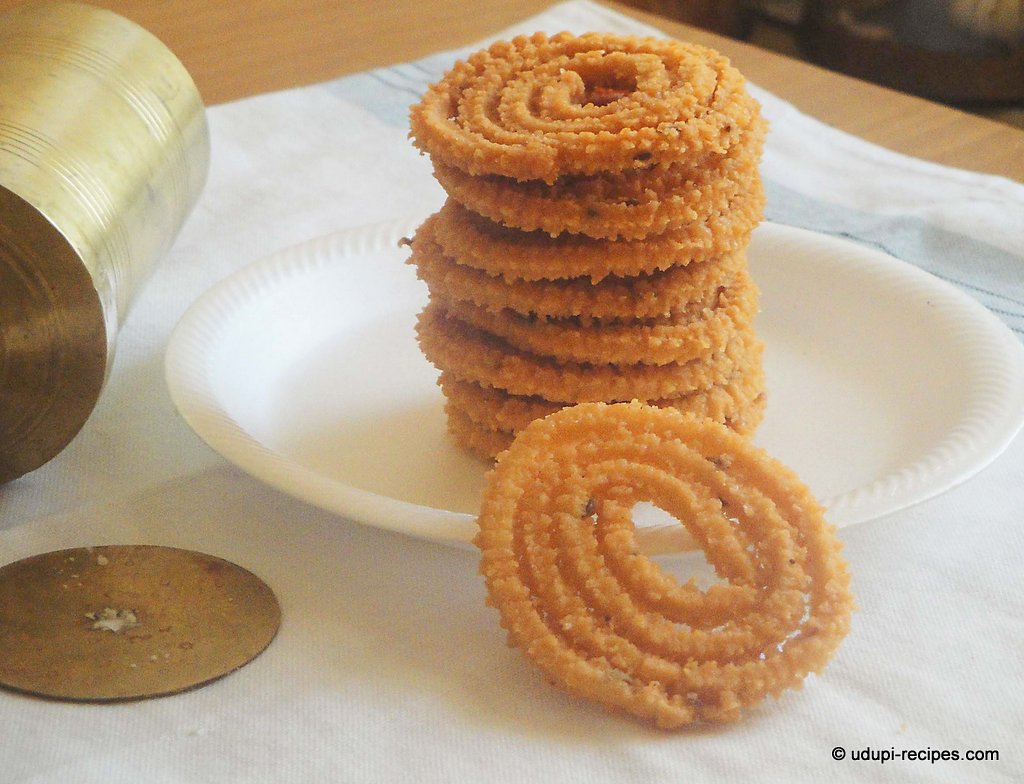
[128, 622]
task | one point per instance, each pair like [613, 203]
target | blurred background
[965, 53]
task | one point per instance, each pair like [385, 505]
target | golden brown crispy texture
[474, 438]
[539, 107]
[739, 404]
[472, 355]
[631, 205]
[486, 442]
[682, 291]
[561, 564]
[676, 338]
[602, 192]
[517, 255]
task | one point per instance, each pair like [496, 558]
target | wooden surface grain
[235, 49]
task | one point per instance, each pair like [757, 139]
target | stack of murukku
[602, 191]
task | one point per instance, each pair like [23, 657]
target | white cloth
[388, 665]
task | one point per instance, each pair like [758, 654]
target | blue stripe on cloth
[387, 93]
[991, 275]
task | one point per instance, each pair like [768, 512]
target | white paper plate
[886, 385]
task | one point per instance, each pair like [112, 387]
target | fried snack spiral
[474, 437]
[739, 403]
[472, 355]
[649, 342]
[630, 206]
[487, 443]
[683, 291]
[479, 417]
[561, 564]
[531, 256]
[539, 107]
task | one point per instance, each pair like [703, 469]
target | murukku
[517, 255]
[539, 107]
[682, 290]
[561, 564]
[657, 341]
[630, 205]
[739, 403]
[478, 440]
[472, 355]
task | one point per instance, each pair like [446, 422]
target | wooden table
[235, 49]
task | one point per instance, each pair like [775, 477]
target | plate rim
[199, 407]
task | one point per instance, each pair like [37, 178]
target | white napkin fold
[388, 666]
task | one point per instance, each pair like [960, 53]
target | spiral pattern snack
[660, 341]
[478, 356]
[602, 191]
[630, 207]
[531, 256]
[738, 403]
[475, 438]
[539, 108]
[479, 417]
[560, 560]
[517, 255]
[683, 290]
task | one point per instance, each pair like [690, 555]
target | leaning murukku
[561, 564]
[627, 206]
[684, 290]
[472, 355]
[633, 341]
[517, 255]
[537, 108]
[739, 403]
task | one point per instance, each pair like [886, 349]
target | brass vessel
[104, 149]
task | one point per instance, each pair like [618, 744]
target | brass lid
[125, 622]
[53, 339]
